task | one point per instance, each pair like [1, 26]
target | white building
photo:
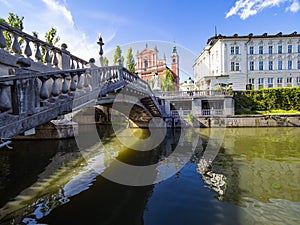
[262, 61]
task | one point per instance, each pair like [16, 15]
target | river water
[200, 176]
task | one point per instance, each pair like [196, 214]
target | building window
[270, 65]
[232, 50]
[251, 50]
[289, 81]
[270, 82]
[146, 64]
[232, 66]
[279, 65]
[290, 64]
[237, 66]
[270, 49]
[298, 81]
[261, 65]
[251, 81]
[279, 82]
[298, 64]
[298, 48]
[279, 49]
[251, 65]
[261, 50]
[289, 48]
[237, 50]
[260, 83]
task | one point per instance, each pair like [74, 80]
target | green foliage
[167, 81]
[268, 100]
[16, 22]
[51, 37]
[130, 61]
[118, 55]
[105, 61]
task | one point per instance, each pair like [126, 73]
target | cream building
[261, 61]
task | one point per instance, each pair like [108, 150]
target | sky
[164, 23]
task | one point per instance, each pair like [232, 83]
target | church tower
[175, 65]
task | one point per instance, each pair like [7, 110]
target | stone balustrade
[17, 55]
[28, 94]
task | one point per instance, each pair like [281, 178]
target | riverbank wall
[284, 120]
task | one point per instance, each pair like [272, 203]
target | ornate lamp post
[101, 43]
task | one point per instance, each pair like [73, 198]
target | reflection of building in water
[216, 181]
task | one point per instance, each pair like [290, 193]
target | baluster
[86, 80]
[77, 64]
[72, 64]
[79, 82]
[55, 88]
[100, 73]
[103, 74]
[73, 84]
[44, 92]
[55, 60]
[16, 46]
[27, 50]
[47, 57]
[65, 87]
[5, 101]
[121, 75]
[38, 54]
[2, 40]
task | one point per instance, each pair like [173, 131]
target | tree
[105, 61]
[130, 61]
[118, 55]
[167, 81]
[16, 22]
[51, 37]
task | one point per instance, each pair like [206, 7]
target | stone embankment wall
[247, 121]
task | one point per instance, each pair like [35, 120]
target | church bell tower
[175, 65]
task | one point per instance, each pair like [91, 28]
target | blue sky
[188, 23]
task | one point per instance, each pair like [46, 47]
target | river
[231, 176]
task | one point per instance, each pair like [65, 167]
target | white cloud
[247, 8]
[6, 3]
[59, 9]
[57, 15]
[294, 7]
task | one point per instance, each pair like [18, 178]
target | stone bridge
[36, 90]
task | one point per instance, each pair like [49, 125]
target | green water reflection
[254, 179]
[262, 173]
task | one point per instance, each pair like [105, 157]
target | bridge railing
[113, 78]
[20, 51]
[192, 93]
[111, 75]
[30, 92]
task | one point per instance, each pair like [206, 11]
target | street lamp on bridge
[101, 43]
